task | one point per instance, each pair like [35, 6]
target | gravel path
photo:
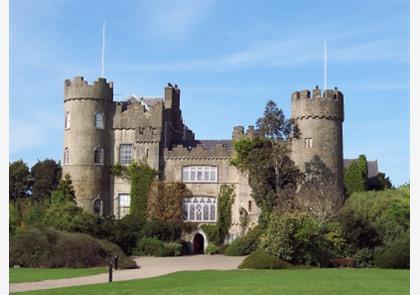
[149, 267]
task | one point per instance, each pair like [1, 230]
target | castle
[100, 132]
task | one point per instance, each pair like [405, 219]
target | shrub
[261, 260]
[246, 244]
[302, 239]
[395, 254]
[363, 257]
[52, 248]
[162, 230]
[212, 249]
[69, 217]
[151, 246]
[124, 232]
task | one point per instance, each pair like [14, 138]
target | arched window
[206, 212]
[97, 206]
[99, 155]
[67, 120]
[199, 209]
[99, 120]
[66, 156]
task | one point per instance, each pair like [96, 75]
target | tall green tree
[45, 178]
[64, 192]
[356, 176]
[272, 175]
[19, 177]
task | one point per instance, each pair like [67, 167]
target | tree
[356, 176]
[64, 192]
[272, 175]
[319, 195]
[45, 176]
[19, 177]
[379, 182]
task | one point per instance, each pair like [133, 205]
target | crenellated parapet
[219, 151]
[78, 88]
[318, 105]
[240, 133]
[134, 114]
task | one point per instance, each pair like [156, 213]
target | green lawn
[264, 282]
[20, 275]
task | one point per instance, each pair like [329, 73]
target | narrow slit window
[308, 143]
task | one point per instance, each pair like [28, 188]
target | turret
[86, 155]
[319, 117]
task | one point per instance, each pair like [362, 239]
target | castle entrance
[198, 244]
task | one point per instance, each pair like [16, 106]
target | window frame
[197, 174]
[102, 158]
[66, 158]
[119, 208]
[194, 209]
[308, 141]
[102, 120]
[123, 156]
[67, 120]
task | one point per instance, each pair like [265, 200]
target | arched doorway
[198, 244]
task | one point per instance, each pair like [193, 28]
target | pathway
[149, 267]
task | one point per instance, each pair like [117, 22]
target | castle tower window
[308, 143]
[99, 120]
[123, 205]
[199, 209]
[97, 206]
[67, 120]
[99, 156]
[203, 174]
[125, 154]
[249, 206]
[66, 156]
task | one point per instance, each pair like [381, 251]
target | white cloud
[283, 54]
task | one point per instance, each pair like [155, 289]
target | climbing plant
[141, 177]
[217, 233]
[164, 201]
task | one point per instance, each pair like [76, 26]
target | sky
[228, 57]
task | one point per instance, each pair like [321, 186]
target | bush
[124, 232]
[302, 239]
[151, 246]
[69, 217]
[246, 244]
[363, 257]
[395, 254]
[51, 248]
[212, 249]
[261, 260]
[162, 230]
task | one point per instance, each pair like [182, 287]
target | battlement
[318, 105]
[240, 133]
[78, 88]
[198, 152]
[133, 114]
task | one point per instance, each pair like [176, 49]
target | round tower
[319, 117]
[86, 153]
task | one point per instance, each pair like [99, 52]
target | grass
[20, 275]
[264, 282]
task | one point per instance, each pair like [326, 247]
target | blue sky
[228, 58]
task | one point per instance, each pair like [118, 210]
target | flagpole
[325, 65]
[103, 51]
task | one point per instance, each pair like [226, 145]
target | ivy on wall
[217, 233]
[141, 177]
[164, 201]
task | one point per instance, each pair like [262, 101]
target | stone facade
[100, 132]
